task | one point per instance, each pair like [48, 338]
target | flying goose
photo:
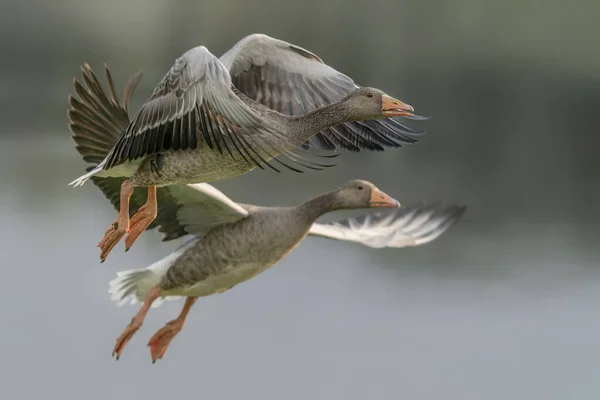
[210, 119]
[233, 242]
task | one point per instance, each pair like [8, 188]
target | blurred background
[504, 305]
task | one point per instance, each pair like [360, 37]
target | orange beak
[392, 107]
[380, 199]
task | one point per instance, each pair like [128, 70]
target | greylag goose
[234, 242]
[203, 211]
[210, 119]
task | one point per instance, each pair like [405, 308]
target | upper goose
[234, 242]
[210, 119]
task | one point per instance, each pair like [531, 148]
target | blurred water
[501, 306]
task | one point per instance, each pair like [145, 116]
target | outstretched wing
[201, 207]
[195, 94]
[294, 81]
[97, 120]
[407, 226]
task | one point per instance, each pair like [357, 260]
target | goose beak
[380, 199]
[392, 107]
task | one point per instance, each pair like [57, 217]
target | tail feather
[133, 285]
[83, 178]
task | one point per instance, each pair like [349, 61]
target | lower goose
[234, 242]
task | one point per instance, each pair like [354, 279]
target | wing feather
[407, 226]
[171, 117]
[294, 81]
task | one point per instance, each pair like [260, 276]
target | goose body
[233, 253]
[184, 166]
[222, 255]
[210, 119]
[234, 242]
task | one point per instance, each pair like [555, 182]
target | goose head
[363, 194]
[369, 103]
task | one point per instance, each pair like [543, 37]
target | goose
[214, 118]
[233, 242]
[241, 240]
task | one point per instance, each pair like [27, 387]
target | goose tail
[84, 178]
[133, 285]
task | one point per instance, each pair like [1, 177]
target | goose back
[233, 253]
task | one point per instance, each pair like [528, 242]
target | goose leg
[142, 219]
[136, 322]
[119, 228]
[159, 343]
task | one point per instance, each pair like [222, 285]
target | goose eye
[361, 187]
[369, 94]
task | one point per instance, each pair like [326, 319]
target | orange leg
[136, 322]
[119, 228]
[142, 219]
[159, 343]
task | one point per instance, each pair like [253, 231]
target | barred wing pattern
[196, 93]
[96, 118]
[294, 81]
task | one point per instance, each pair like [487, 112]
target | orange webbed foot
[119, 228]
[112, 236]
[125, 337]
[136, 322]
[138, 224]
[159, 343]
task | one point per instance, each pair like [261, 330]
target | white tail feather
[83, 178]
[133, 285]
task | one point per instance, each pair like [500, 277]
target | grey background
[505, 305]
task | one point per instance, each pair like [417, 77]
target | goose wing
[294, 81]
[196, 93]
[201, 207]
[414, 225]
[97, 118]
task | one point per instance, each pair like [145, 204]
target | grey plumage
[195, 92]
[210, 119]
[294, 81]
[96, 120]
[198, 127]
[236, 242]
[243, 241]
[237, 251]
[176, 203]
